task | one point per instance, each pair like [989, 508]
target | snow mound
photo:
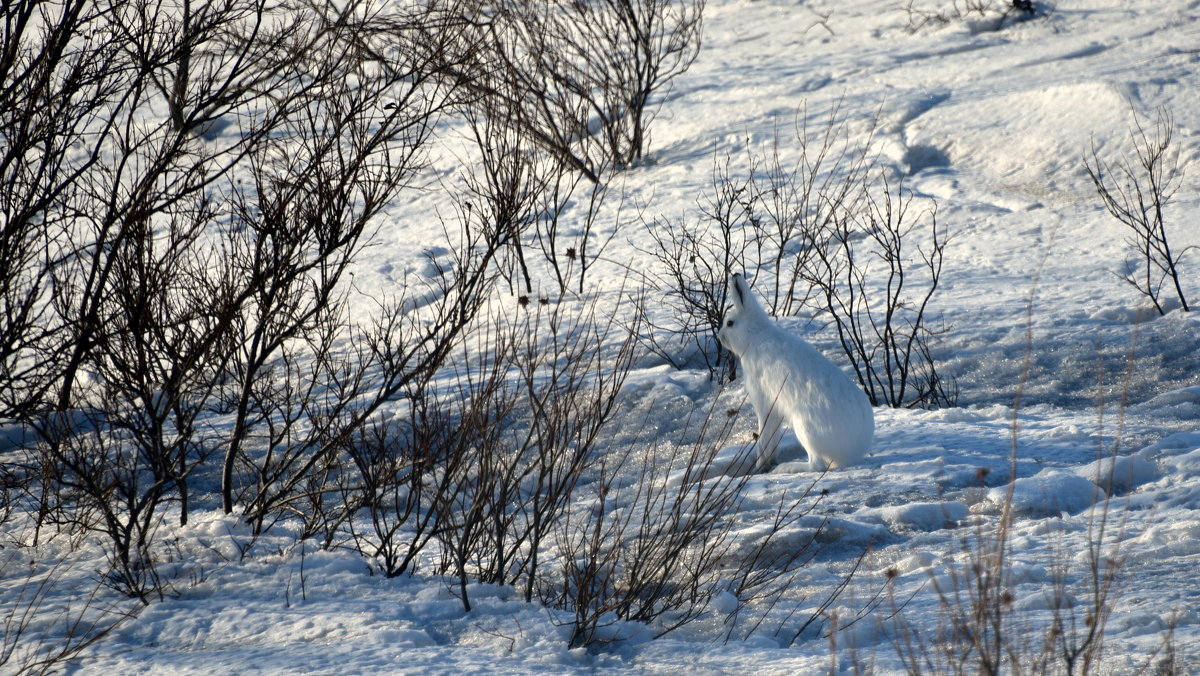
[803, 533]
[918, 516]
[1023, 136]
[1179, 443]
[1186, 464]
[1049, 493]
[915, 562]
[1187, 395]
[1160, 542]
[1120, 474]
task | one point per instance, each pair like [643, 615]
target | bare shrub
[822, 234]
[303, 217]
[193, 188]
[533, 410]
[581, 77]
[632, 51]
[657, 543]
[522, 193]
[41, 633]
[506, 61]
[406, 469]
[14, 481]
[109, 485]
[571, 380]
[473, 518]
[996, 13]
[1166, 659]
[330, 394]
[866, 284]
[696, 261]
[980, 628]
[507, 187]
[572, 250]
[53, 99]
[1136, 191]
[768, 222]
[789, 206]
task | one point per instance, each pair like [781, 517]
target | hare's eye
[729, 322]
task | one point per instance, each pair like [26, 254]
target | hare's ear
[741, 291]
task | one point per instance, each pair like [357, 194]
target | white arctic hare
[788, 379]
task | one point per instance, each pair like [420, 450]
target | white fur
[789, 380]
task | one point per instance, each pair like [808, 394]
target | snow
[924, 516]
[993, 123]
[1048, 493]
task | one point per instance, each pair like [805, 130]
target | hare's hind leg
[817, 463]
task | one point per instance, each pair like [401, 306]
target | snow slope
[993, 123]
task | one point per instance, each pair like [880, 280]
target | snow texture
[992, 122]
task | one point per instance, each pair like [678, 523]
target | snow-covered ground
[992, 122]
